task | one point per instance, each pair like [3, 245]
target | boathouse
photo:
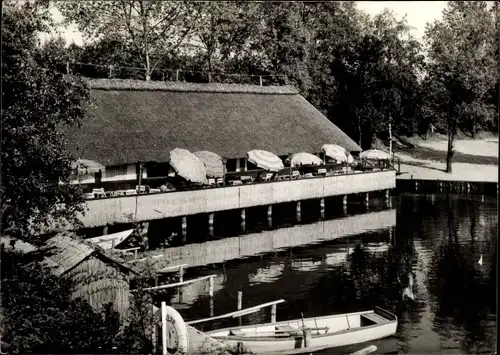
[98, 277]
[131, 127]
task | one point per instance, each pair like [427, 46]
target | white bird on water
[408, 292]
[480, 262]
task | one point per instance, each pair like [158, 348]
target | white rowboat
[325, 332]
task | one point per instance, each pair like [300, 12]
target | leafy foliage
[36, 169]
[463, 67]
[150, 29]
[40, 316]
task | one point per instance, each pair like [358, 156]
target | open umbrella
[188, 165]
[86, 166]
[265, 160]
[303, 158]
[335, 152]
[375, 154]
[213, 163]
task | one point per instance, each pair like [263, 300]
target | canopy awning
[106, 241]
[188, 166]
[375, 154]
[265, 160]
[213, 163]
[89, 166]
[304, 158]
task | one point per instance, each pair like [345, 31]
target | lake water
[437, 243]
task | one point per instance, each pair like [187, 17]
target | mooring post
[273, 313]
[240, 304]
[211, 287]
[322, 207]
[181, 273]
[243, 219]
[367, 199]
[298, 211]
[211, 224]
[416, 185]
[468, 187]
[184, 229]
[270, 215]
[105, 230]
[240, 300]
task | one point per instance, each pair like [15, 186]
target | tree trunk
[449, 155]
[148, 66]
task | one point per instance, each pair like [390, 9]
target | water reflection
[425, 269]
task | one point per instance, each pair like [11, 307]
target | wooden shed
[98, 276]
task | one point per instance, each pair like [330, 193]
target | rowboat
[324, 332]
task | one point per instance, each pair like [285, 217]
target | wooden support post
[298, 211]
[177, 75]
[260, 80]
[367, 199]
[482, 198]
[211, 287]
[164, 328]
[105, 230]
[184, 229]
[270, 215]
[181, 273]
[135, 254]
[416, 185]
[211, 224]
[243, 219]
[240, 300]
[344, 201]
[211, 306]
[156, 280]
[110, 71]
[307, 337]
[113, 242]
[387, 195]
[273, 313]
[322, 207]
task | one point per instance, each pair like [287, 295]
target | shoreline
[414, 167]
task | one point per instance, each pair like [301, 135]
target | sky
[418, 14]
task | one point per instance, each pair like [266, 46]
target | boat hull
[326, 332]
[349, 337]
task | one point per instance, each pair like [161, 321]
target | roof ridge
[141, 85]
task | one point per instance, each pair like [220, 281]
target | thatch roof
[131, 121]
[64, 252]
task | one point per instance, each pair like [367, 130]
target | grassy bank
[474, 160]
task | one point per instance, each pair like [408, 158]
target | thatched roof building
[136, 121]
[98, 277]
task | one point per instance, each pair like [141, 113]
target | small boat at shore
[324, 332]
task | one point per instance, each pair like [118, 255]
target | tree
[39, 315]
[36, 102]
[151, 29]
[462, 63]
